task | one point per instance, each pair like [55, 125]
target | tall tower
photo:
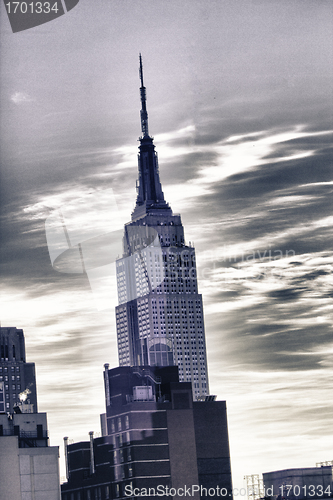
[160, 314]
[17, 377]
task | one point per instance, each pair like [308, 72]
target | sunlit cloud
[20, 97]
[234, 155]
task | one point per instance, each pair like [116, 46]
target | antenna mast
[143, 112]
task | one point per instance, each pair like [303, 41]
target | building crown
[150, 195]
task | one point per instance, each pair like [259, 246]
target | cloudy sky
[240, 105]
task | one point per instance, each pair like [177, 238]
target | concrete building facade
[29, 468]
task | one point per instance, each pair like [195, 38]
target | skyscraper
[156, 441]
[160, 313]
[29, 467]
[17, 377]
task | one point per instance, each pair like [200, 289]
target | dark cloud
[186, 167]
[274, 177]
[286, 294]
[321, 143]
[314, 274]
[269, 346]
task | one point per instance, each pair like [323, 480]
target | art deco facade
[29, 467]
[160, 314]
[16, 375]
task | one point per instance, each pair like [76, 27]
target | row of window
[120, 456]
[4, 351]
[4, 369]
[12, 378]
[120, 422]
[14, 396]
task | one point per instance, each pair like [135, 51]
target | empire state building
[160, 313]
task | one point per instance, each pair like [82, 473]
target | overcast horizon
[239, 98]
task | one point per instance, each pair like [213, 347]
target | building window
[130, 471]
[119, 424]
[107, 492]
[116, 473]
[113, 429]
[119, 440]
[127, 422]
[88, 495]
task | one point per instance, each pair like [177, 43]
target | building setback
[16, 375]
[155, 437]
[159, 318]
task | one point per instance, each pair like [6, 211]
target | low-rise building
[29, 468]
[17, 377]
[156, 439]
[310, 483]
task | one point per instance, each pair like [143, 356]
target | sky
[239, 97]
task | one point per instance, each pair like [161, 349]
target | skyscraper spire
[160, 313]
[143, 112]
[150, 195]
